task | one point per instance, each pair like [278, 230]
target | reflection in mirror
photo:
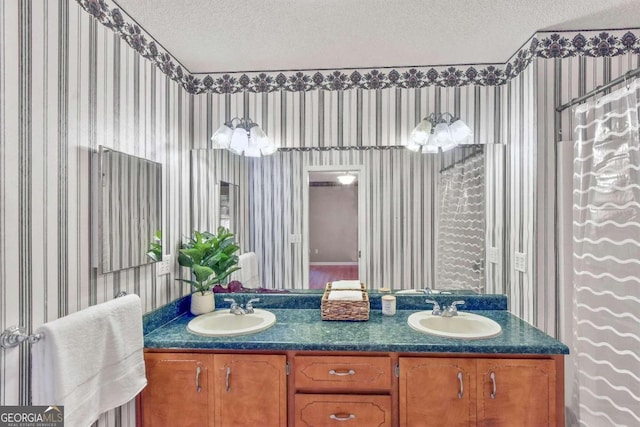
[332, 229]
[426, 219]
[130, 209]
[228, 206]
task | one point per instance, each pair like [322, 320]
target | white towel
[248, 274]
[346, 284]
[345, 296]
[90, 361]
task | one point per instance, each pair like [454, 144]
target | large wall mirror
[423, 220]
[128, 195]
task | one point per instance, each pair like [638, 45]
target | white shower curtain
[606, 262]
[460, 244]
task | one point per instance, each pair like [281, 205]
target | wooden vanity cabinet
[199, 389]
[351, 389]
[484, 392]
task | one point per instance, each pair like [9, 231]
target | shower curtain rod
[626, 76]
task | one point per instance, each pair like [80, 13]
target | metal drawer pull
[461, 391]
[342, 417]
[342, 373]
[228, 379]
[493, 385]
[198, 370]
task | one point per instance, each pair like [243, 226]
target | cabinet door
[177, 390]
[437, 392]
[516, 392]
[250, 390]
[319, 410]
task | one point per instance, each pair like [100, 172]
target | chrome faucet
[249, 306]
[450, 311]
[239, 309]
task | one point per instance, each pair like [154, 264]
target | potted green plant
[211, 258]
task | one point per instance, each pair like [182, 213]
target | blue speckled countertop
[299, 327]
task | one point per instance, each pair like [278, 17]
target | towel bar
[14, 335]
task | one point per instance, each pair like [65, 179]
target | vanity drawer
[335, 409]
[348, 373]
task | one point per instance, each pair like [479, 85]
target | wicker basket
[345, 310]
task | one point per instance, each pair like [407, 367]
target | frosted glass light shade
[441, 134]
[269, 149]
[460, 132]
[222, 137]
[420, 133]
[239, 141]
[258, 137]
[252, 151]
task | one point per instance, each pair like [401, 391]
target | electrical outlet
[164, 266]
[493, 255]
[520, 261]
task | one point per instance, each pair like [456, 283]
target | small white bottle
[388, 305]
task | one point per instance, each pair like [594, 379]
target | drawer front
[349, 373]
[321, 410]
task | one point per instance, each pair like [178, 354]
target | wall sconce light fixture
[439, 131]
[243, 137]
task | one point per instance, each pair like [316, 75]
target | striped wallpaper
[68, 85]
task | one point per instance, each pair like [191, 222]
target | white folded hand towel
[345, 284]
[90, 361]
[345, 296]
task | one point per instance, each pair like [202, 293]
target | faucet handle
[249, 305]
[233, 302]
[436, 307]
[452, 310]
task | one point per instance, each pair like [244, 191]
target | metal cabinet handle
[493, 385]
[341, 417]
[342, 373]
[228, 379]
[198, 371]
[461, 391]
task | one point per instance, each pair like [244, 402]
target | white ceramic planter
[201, 304]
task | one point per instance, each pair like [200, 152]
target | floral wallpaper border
[543, 45]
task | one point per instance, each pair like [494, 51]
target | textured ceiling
[267, 35]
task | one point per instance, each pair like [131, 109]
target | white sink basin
[222, 323]
[463, 326]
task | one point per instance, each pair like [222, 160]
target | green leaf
[202, 272]
[184, 260]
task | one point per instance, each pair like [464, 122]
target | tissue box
[345, 310]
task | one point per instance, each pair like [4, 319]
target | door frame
[360, 170]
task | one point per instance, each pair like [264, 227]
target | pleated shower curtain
[606, 262]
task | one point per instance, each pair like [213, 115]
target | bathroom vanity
[306, 372]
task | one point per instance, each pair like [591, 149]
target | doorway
[332, 226]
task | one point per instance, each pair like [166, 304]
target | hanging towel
[90, 361]
[346, 284]
[248, 274]
[345, 296]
